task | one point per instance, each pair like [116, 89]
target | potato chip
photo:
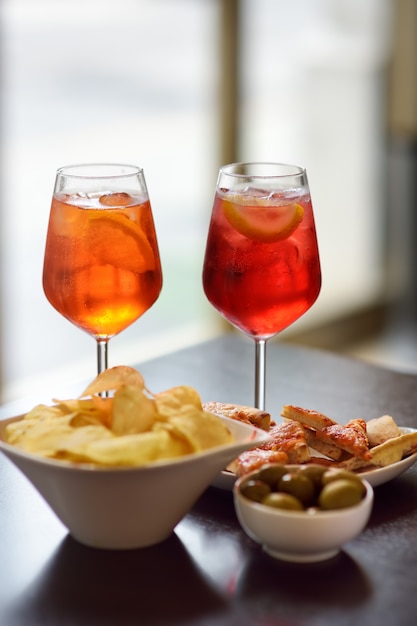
[51, 438]
[16, 431]
[79, 437]
[131, 427]
[43, 411]
[173, 400]
[87, 411]
[131, 450]
[42, 437]
[79, 420]
[39, 416]
[202, 430]
[132, 412]
[112, 379]
[104, 406]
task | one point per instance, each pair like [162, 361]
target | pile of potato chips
[116, 421]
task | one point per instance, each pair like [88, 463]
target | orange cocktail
[102, 269]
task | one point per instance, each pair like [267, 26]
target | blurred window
[314, 84]
[129, 81]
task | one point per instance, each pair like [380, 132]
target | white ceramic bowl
[127, 508]
[301, 536]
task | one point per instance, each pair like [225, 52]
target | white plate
[225, 480]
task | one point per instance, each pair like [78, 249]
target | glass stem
[260, 366]
[102, 362]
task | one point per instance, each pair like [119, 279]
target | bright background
[137, 81]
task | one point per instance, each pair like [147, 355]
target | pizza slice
[326, 448]
[308, 417]
[246, 414]
[251, 460]
[351, 438]
[289, 437]
[287, 444]
[324, 433]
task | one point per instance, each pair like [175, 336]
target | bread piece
[380, 429]
[314, 419]
[386, 453]
[246, 414]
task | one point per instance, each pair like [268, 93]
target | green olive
[299, 486]
[315, 474]
[255, 490]
[338, 474]
[272, 474]
[340, 494]
[283, 501]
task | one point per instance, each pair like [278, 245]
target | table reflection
[158, 585]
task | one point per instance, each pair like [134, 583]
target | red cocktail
[261, 267]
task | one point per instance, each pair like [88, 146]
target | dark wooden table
[208, 572]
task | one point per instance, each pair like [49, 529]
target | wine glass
[261, 267]
[102, 269]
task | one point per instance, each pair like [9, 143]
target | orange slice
[117, 240]
[261, 221]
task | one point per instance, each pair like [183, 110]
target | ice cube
[118, 199]
[255, 192]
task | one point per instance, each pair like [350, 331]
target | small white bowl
[301, 536]
[132, 507]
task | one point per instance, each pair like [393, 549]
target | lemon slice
[263, 222]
